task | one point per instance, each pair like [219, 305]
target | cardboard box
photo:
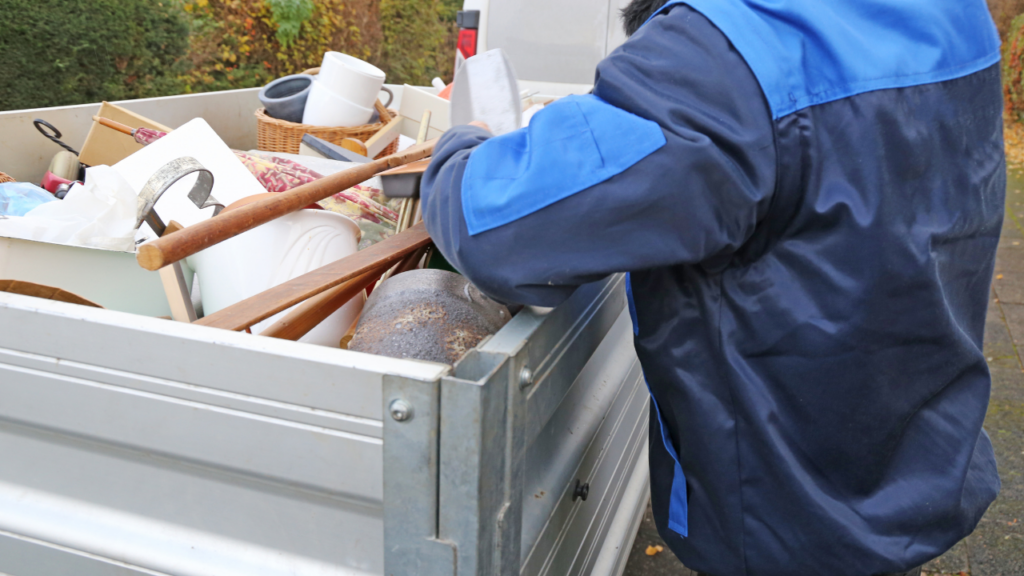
[106, 146]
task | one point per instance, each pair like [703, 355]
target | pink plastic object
[51, 182]
[146, 136]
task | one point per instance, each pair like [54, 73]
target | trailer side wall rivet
[401, 410]
[525, 378]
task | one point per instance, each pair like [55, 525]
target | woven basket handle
[385, 115]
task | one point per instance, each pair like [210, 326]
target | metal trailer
[137, 445]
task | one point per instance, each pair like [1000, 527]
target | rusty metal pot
[427, 315]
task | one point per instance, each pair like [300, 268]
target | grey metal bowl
[427, 315]
[285, 98]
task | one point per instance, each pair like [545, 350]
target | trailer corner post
[411, 445]
[482, 449]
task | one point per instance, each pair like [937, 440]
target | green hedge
[60, 52]
[419, 40]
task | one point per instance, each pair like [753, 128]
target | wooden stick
[411, 261]
[421, 137]
[312, 312]
[349, 335]
[401, 217]
[407, 263]
[399, 228]
[283, 296]
[115, 125]
[158, 253]
[407, 214]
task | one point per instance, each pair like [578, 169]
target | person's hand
[480, 124]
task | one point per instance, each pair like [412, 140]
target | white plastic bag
[17, 198]
[100, 214]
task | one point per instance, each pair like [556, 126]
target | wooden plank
[386, 135]
[158, 253]
[283, 296]
[175, 286]
[173, 279]
[312, 312]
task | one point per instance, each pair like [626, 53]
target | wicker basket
[4, 178]
[276, 135]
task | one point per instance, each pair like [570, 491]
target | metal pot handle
[163, 179]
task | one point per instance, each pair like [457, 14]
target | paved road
[996, 548]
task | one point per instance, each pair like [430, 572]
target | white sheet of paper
[232, 181]
[485, 89]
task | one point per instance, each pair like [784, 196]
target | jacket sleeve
[670, 161]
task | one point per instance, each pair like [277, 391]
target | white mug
[325, 108]
[354, 80]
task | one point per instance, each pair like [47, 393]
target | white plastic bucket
[274, 253]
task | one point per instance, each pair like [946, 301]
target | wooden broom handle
[169, 249]
[123, 128]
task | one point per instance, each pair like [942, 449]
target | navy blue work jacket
[807, 197]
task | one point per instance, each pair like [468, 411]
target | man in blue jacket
[807, 197]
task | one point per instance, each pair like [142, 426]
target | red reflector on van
[467, 42]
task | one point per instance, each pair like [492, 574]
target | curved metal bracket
[167, 176]
[53, 135]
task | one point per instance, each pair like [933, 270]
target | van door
[550, 42]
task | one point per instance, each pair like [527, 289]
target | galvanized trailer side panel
[187, 450]
[135, 445]
[25, 154]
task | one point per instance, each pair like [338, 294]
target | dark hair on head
[638, 11]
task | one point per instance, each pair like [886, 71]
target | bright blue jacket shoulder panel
[809, 52]
[571, 145]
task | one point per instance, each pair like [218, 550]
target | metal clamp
[54, 135]
[167, 176]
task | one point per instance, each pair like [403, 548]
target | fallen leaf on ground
[652, 550]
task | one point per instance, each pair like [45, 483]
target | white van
[554, 46]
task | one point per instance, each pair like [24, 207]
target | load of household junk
[316, 236]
